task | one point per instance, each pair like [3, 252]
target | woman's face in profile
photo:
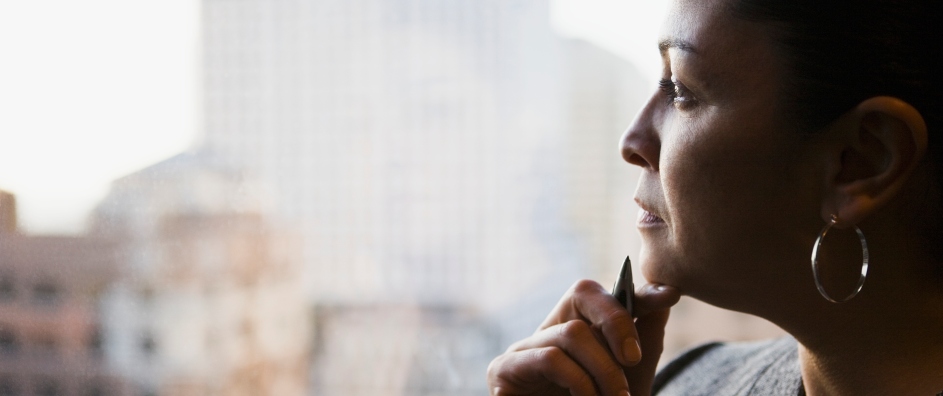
[729, 191]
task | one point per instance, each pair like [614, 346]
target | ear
[878, 144]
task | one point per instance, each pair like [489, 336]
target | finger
[654, 297]
[589, 301]
[578, 341]
[538, 371]
[651, 328]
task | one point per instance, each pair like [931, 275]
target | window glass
[46, 386]
[9, 344]
[9, 386]
[332, 197]
[7, 287]
[45, 293]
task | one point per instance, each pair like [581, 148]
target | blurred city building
[50, 335]
[417, 142]
[451, 165]
[209, 298]
[393, 349]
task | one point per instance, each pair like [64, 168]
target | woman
[779, 126]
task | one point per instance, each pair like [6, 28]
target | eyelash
[677, 94]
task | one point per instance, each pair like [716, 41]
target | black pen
[624, 289]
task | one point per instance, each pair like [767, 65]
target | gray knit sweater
[756, 368]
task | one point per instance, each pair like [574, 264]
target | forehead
[696, 13]
[717, 47]
[708, 26]
[693, 12]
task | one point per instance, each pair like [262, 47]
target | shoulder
[736, 368]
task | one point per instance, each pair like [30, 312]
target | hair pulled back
[838, 53]
[841, 52]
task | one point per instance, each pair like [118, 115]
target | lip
[647, 218]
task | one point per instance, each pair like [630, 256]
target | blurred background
[311, 197]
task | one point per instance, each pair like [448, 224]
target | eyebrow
[666, 44]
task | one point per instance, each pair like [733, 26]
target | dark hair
[841, 52]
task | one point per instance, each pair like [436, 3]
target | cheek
[721, 186]
[710, 177]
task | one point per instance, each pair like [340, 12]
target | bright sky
[628, 28]
[91, 90]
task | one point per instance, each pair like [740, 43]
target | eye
[668, 88]
[676, 93]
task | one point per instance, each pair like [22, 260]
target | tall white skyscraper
[420, 143]
[453, 166]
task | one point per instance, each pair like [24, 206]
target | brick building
[50, 338]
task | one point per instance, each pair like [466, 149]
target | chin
[660, 267]
[696, 282]
[656, 268]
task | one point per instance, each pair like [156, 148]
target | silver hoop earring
[815, 262]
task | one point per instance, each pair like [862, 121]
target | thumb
[654, 303]
[651, 329]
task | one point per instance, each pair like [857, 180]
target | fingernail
[661, 287]
[631, 351]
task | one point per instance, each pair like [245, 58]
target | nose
[641, 143]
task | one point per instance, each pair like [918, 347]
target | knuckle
[574, 329]
[617, 318]
[584, 380]
[551, 360]
[494, 367]
[583, 286]
[548, 357]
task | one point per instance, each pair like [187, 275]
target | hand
[588, 345]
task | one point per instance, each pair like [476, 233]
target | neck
[886, 341]
[895, 362]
